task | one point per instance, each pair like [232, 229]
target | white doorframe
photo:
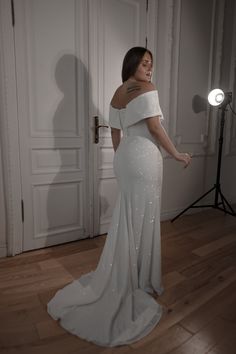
[9, 133]
[93, 100]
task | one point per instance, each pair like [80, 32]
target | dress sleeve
[114, 118]
[143, 106]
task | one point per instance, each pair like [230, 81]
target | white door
[66, 74]
[52, 75]
[115, 26]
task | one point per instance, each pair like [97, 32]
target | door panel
[51, 78]
[115, 27]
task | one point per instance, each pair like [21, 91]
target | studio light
[219, 98]
[216, 97]
[222, 99]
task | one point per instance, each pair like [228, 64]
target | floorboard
[199, 301]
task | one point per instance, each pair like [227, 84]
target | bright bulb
[216, 97]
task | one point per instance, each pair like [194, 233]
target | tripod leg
[225, 200]
[196, 201]
[223, 203]
[222, 199]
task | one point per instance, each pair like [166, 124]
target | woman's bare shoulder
[130, 90]
[147, 86]
[115, 101]
[141, 88]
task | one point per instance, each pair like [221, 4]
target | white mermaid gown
[111, 305]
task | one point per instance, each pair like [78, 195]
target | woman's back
[131, 104]
[129, 90]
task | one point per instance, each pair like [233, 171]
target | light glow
[216, 97]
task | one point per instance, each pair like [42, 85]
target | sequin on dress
[111, 305]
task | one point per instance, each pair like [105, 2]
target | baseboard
[3, 251]
[170, 214]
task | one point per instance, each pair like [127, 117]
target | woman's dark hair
[132, 60]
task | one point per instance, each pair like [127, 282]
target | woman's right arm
[115, 136]
[158, 131]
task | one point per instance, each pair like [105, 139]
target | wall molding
[201, 146]
[163, 55]
[170, 214]
[214, 71]
[151, 24]
[176, 26]
[230, 141]
[169, 79]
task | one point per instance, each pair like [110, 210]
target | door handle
[97, 126]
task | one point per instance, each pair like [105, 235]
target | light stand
[216, 187]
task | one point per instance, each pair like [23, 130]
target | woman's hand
[183, 157]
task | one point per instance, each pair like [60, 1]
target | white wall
[194, 55]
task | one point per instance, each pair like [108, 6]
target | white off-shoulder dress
[112, 305]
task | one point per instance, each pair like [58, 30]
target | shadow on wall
[199, 104]
[63, 206]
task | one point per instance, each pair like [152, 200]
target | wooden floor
[199, 275]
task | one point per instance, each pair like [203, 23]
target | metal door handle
[97, 126]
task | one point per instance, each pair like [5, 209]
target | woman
[112, 305]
